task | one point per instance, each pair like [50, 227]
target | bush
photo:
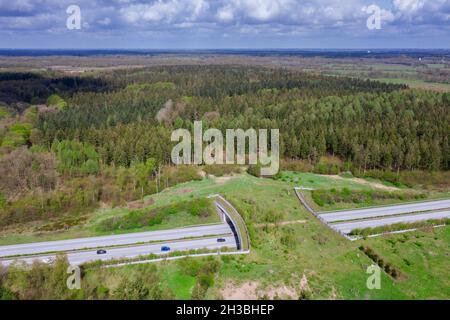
[189, 266]
[254, 170]
[415, 178]
[288, 238]
[221, 170]
[55, 100]
[22, 171]
[145, 217]
[296, 165]
[388, 268]
[346, 174]
[199, 208]
[4, 113]
[2, 200]
[205, 277]
[18, 135]
[399, 226]
[272, 216]
[328, 165]
[90, 167]
[179, 174]
[324, 197]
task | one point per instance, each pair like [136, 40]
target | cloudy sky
[190, 24]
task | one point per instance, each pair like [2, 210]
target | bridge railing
[238, 221]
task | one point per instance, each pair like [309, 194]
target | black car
[221, 240]
[101, 251]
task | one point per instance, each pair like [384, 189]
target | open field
[414, 74]
[422, 256]
[417, 83]
[402, 70]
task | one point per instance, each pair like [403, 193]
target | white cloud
[105, 21]
[150, 12]
[168, 11]
[264, 10]
[387, 16]
[17, 5]
[225, 14]
[228, 17]
[409, 6]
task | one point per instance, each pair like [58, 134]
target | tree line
[371, 124]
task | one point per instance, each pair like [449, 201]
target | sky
[218, 24]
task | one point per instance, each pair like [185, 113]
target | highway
[114, 240]
[80, 257]
[384, 211]
[346, 227]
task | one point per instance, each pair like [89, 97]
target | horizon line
[229, 48]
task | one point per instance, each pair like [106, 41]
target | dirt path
[252, 290]
[364, 182]
[224, 179]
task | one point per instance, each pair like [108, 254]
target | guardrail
[236, 219]
[218, 253]
[302, 199]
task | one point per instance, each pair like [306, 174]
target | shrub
[221, 170]
[18, 135]
[288, 239]
[254, 170]
[179, 174]
[189, 266]
[2, 200]
[388, 268]
[328, 165]
[399, 226]
[199, 207]
[145, 217]
[22, 171]
[55, 100]
[296, 165]
[4, 113]
[346, 174]
[413, 178]
[331, 196]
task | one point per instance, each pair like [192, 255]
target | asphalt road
[384, 211]
[76, 258]
[105, 241]
[346, 227]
